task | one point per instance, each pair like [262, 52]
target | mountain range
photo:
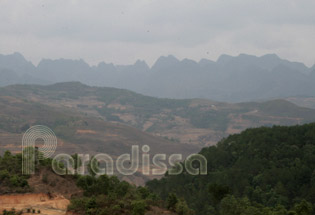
[229, 79]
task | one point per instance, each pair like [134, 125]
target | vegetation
[11, 212]
[11, 178]
[267, 171]
[108, 195]
[102, 195]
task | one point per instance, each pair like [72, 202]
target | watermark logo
[29, 154]
[139, 160]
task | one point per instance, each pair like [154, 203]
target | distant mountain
[232, 79]
[14, 69]
[8, 77]
[17, 63]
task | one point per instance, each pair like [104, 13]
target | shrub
[181, 208]
[171, 201]
[138, 207]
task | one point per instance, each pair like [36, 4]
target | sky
[122, 31]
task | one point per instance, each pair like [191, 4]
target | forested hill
[73, 194]
[260, 171]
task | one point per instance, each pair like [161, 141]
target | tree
[303, 208]
[138, 207]
[182, 208]
[171, 201]
[218, 192]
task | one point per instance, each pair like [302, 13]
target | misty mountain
[232, 79]
[17, 63]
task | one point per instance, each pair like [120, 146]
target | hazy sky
[124, 31]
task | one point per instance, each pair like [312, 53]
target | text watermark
[138, 160]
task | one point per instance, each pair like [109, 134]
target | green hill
[260, 171]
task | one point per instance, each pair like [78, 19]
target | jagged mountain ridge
[231, 79]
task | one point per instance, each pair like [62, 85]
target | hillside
[193, 121]
[257, 169]
[50, 194]
[263, 171]
[230, 78]
[45, 192]
[76, 132]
